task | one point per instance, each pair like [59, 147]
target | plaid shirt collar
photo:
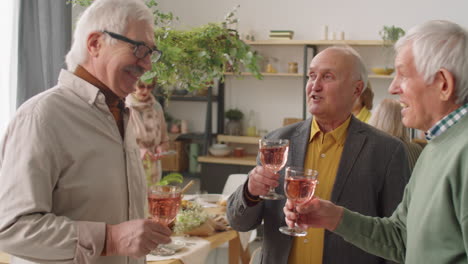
[445, 123]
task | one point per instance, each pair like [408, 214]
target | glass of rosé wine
[299, 186]
[163, 204]
[273, 155]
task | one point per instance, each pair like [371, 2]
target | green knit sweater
[431, 223]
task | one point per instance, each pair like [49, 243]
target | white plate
[175, 245]
[210, 197]
[189, 197]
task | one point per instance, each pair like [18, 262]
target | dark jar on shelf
[233, 127]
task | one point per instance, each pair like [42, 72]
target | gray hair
[440, 44]
[387, 117]
[111, 15]
[361, 67]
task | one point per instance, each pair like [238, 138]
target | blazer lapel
[299, 140]
[353, 145]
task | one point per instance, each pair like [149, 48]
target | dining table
[235, 249]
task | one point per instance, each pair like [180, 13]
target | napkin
[195, 251]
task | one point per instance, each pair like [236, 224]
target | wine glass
[163, 204]
[273, 154]
[299, 186]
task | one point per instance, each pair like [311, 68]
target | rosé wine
[164, 209]
[274, 158]
[300, 190]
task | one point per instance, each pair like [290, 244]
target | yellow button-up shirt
[323, 154]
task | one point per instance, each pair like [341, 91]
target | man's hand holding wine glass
[316, 213]
[260, 181]
[135, 238]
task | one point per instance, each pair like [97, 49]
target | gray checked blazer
[371, 177]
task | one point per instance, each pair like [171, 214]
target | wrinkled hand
[135, 238]
[314, 213]
[260, 180]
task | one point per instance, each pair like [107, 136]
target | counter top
[248, 160]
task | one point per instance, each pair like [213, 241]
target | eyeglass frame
[136, 45]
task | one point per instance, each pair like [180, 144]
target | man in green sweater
[431, 223]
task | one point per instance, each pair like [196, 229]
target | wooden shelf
[249, 160]
[280, 74]
[376, 76]
[238, 139]
[315, 42]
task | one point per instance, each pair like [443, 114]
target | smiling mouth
[315, 97]
[403, 105]
[134, 71]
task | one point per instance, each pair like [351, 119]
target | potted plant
[193, 58]
[389, 35]
[234, 126]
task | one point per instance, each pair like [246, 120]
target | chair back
[232, 182]
[256, 256]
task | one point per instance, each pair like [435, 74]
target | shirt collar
[339, 133]
[112, 100]
[445, 123]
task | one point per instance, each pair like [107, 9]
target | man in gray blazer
[370, 175]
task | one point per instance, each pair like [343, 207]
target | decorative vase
[234, 127]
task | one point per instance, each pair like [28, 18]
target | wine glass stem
[296, 226]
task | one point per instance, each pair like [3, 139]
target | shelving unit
[238, 139]
[209, 99]
[311, 47]
[216, 170]
[249, 160]
[375, 76]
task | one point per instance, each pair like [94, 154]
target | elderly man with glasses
[73, 187]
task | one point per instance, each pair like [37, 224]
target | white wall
[276, 98]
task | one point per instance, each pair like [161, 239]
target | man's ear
[446, 84]
[358, 88]
[94, 44]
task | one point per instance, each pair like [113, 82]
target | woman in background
[363, 105]
[387, 117]
[149, 124]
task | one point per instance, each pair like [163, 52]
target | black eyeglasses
[140, 50]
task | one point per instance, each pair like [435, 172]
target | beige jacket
[65, 172]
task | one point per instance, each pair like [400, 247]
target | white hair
[387, 117]
[440, 44]
[110, 15]
[360, 66]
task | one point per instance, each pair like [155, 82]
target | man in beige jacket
[72, 185]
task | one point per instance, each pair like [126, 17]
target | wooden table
[235, 249]
[231, 236]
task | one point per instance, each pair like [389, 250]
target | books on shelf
[281, 34]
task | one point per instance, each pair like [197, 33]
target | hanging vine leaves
[193, 59]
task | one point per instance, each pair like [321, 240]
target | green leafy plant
[234, 114]
[390, 34]
[192, 59]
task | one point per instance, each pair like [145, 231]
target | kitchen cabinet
[216, 170]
